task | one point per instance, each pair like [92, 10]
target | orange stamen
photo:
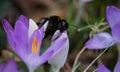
[35, 45]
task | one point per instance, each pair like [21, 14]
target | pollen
[60, 18]
[35, 45]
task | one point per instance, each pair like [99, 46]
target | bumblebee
[55, 23]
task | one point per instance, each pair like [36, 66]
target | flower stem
[83, 28]
[55, 69]
[78, 17]
[118, 47]
[76, 59]
[31, 69]
[95, 60]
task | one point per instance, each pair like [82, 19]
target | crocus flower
[104, 39]
[58, 59]
[26, 39]
[10, 66]
[102, 68]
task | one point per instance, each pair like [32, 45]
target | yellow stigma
[35, 45]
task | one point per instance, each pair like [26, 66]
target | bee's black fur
[55, 23]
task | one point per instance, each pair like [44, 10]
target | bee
[55, 23]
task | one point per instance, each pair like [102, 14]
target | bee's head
[63, 25]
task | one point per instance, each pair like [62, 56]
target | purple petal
[21, 32]
[20, 49]
[9, 66]
[116, 32]
[112, 14]
[16, 40]
[45, 56]
[6, 26]
[45, 25]
[60, 54]
[100, 41]
[63, 37]
[102, 68]
[21, 35]
[117, 67]
[32, 27]
[41, 32]
[53, 48]
[11, 40]
[23, 19]
[33, 61]
[10, 33]
[39, 35]
[2, 66]
[56, 35]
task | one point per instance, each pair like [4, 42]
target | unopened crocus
[58, 59]
[9, 66]
[26, 39]
[104, 39]
[102, 68]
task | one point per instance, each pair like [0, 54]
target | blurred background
[78, 13]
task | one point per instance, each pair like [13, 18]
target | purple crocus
[102, 68]
[26, 40]
[10, 66]
[104, 39]
[58, 59]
